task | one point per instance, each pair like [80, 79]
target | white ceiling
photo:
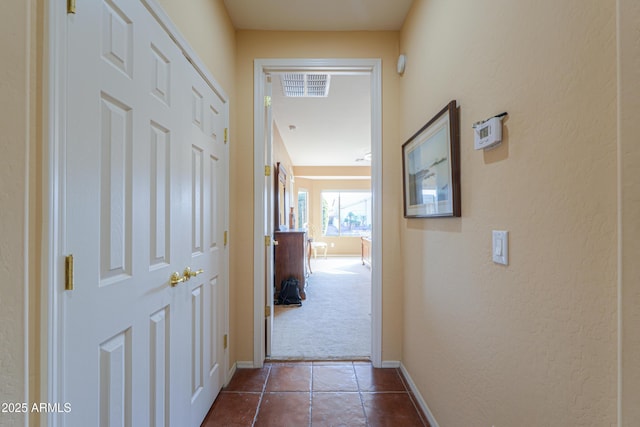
[332, 131]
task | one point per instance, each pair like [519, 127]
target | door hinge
[267, 101]
[226, 236]
[267, 170]
[267, 310]
[71, 6]
[267, 240]
[68, 273]
[225, 341]
[226, 134]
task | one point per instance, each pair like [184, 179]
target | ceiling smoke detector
[299, 85]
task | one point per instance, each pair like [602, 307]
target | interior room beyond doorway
[322, 139]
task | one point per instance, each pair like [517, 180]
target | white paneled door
[144, 195]
[206, 199]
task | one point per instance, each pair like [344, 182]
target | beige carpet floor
[334, 321]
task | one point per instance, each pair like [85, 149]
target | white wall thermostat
[488, 133]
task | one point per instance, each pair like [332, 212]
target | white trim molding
[53, 191]
[373, 67]
[229, 374]
[243, 364]
[420, 400]
[259, 227]
[172, 30]
[391, 364]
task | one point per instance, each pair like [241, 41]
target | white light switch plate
[500, 247]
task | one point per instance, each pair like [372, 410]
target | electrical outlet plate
[500, 247]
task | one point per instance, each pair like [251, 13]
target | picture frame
[431, 167]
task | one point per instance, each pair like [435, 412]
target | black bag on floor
[289, 293]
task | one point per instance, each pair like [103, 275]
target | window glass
[303, 207]
[346, 213]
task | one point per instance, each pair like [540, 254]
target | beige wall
[317, 172]
[281, 155]
[207, 27]
[533, 343]
[261, 44]
[18, 121]
[629, 173]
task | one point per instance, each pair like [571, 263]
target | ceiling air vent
[305, 85]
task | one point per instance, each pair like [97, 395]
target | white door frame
[52, 282]
[373, 67]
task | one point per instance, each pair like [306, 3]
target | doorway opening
[336, 229]
[321, 135]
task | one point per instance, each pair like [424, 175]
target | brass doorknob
[188, 274]
[175, 279]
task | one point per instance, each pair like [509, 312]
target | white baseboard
[244, 364]
[419, 398]
[390, 364]
[230, 374]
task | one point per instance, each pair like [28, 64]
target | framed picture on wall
[431, 167]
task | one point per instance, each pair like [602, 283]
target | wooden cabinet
[290, 257]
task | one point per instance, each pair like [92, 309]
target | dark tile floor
[302, 394]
